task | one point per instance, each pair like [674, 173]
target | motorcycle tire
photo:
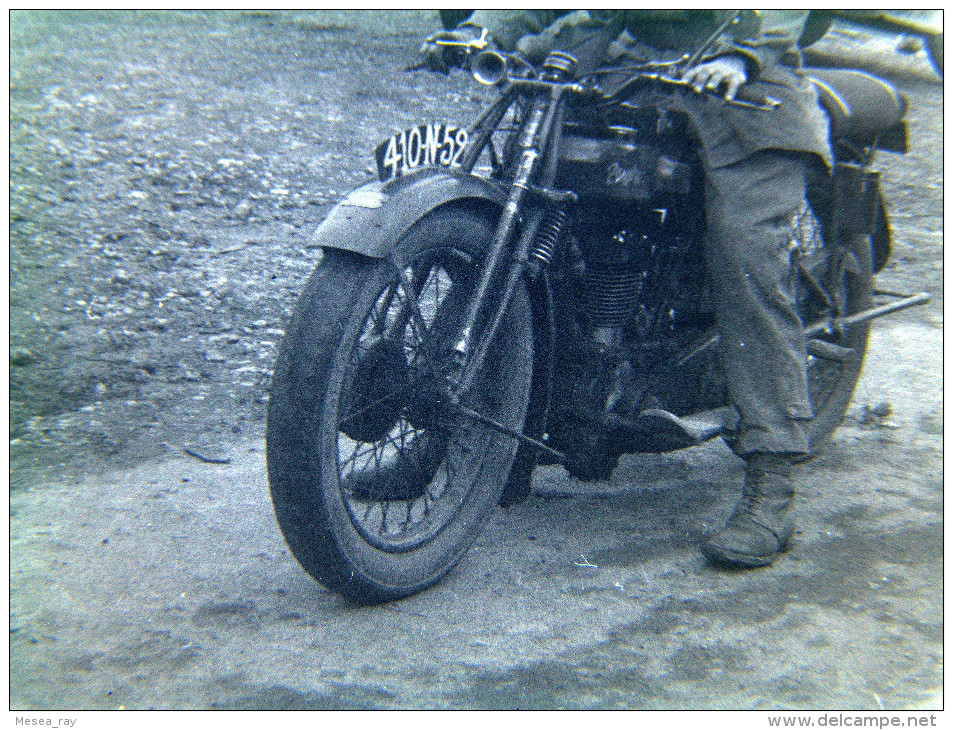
[379, 484]
[835, 279]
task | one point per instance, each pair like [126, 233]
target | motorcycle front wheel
[379, 481]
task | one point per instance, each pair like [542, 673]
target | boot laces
[761, 502]
[750, 502]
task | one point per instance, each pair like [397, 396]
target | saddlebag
[857, 198]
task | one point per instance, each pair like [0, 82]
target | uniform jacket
[767, 40]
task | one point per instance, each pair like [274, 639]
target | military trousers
[750, 207]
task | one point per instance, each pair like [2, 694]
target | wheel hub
[371, 405]
[432, 399]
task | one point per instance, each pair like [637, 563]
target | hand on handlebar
[726, 71]
[448, 48]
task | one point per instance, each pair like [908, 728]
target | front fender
[374, 217]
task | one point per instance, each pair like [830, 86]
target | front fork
[540, 135]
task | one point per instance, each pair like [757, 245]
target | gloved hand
[448, 48]
[725, 71]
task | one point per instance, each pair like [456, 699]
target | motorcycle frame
[386, 211]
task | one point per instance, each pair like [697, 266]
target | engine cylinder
[611, 292]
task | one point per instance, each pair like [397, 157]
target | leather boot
[760, 527]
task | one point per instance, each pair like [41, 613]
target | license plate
[427, 145]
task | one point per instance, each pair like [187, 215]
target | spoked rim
[829, 279]
[403, 457]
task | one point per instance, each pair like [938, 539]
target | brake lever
[747, 97]
[475, 44]
[744, 97]
[466, 49]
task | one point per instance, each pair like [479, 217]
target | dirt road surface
[166, 171]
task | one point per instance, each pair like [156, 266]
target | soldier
[755, 164]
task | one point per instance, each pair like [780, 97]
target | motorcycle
[531, 290]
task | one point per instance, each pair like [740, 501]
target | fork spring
[544, 247]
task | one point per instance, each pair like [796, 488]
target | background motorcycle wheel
[378, 486]
[835, 279]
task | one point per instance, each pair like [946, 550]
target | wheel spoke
[814, 285]
[405, 463]
[417, 322]
[381, 308]
[405, 312]
[383, 528]
[419, 294]
[367, 511]
[371, 476]
[833, 281]
[352, 415]
[357, 454]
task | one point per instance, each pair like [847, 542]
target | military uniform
[766, 40]
[755, 167]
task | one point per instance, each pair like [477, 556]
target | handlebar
[493, 68]
[745, 96]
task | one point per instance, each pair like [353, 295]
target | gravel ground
[163, 190]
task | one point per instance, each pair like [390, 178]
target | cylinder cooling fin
[615, 261]
[611, 292]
